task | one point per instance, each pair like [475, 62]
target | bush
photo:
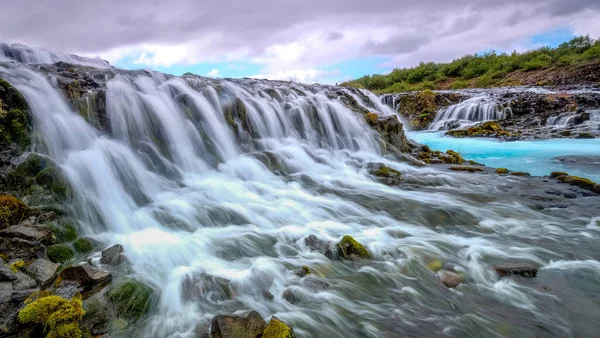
[60, 317]
[12, 211]
[539, 62]
[460, 84]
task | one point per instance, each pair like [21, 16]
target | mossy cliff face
[485, 129]
[14, 121]
[421, 108]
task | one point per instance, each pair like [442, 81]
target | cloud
[213, 73]
[294, 36]
[300, 75]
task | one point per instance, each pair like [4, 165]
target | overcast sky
[310, 40]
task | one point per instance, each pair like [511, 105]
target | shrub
[60, 317]
[539, 62]
[460, 84]
[12, 211]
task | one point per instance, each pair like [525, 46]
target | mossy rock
[465, 168]
[485, 129]
[14, 120]
[371, 118]
[73, 90]
[59, 317]
[131, 299]
[23, 175]
[434, 265]
[556, 174]
[502, 171]
[585, 135]
[581, 182]
[349, 248]
[278, 329]
[60, 253]
[83, 246]
[12, 211]
[64, 232]
[459, 159]
[520, 173]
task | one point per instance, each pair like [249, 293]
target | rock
[6, 274]
[290, 295]
[42, 271]
[303, 271]
[231, 326]
[349, 248]
[201, 286]
[23, 282]
[67, 289]
[113, 255]
[96, 319]
[278, 329]
[465, 168]
[386, 175]
[451, 279]
[315, 283]
[324, 247]
[22, 249]
[509, 269]
[131, 299]
[501, 171]
[46, 217]
[84, 276]
[31, 233]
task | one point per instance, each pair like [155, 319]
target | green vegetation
[16, 266]
[371, 118]
[278, 329]
[12, 211]
[485, 129]
[482, 70]
[349, 248]
[434, 265]
[501, 171]
[14, 122]
[60, 253]
[131, 299]
[465, 168]
[83, 245]
[60, 317]
[64, 233]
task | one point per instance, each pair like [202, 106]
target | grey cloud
[398, 44]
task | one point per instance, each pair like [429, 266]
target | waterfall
[25, 54]
[562, 120]
[469, 112]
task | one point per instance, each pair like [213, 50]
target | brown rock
[451, 279]
[85, 276]
[230, 326]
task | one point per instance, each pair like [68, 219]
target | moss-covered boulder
[387, 175]
[64, 232]
[60, 253]
[520, 173]
[502, 171]
[250, 326]
[83, 246]
[420, 108]
[12, 211]
[371, 118]
[556, 174]
[465, 168]
[131, 299]
[580, 182]
[350, 249]
[59, 317]
[278, 329]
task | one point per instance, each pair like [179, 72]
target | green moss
[485, 129]
[306, 270]
[14, 267]
[59, 317]
[502, 171]
[228, 113]
[556, 174]
[131, 299]
[64, 233]
[520, 173]
[83, 246]
[278, 329]
[371, 118]
[585, 135]
[580, 182]
[465, 168]
[384, 171]
[349, 248]
[60, 253]
[14, 121]
[434, 265]
[12, 211]
[459, 159]
[73, 90]
[565, 133]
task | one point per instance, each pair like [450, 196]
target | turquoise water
[535, 157]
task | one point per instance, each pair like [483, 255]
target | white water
[176, 188]
[469, 112]
[25, 54]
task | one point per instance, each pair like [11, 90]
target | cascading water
[469, 112]
[186, 194]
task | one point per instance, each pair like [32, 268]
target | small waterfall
[562, 120]
[25, 54]
[469, 112]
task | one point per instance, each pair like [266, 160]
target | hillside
[574, 62]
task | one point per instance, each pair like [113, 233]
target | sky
[327, 41]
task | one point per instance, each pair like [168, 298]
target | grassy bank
[577, 60]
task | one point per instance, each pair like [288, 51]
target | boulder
[130, 299]
[278, 329]
[85, 276]
[6, 274]
[31, 233]
[516, 269]
[22, 249]
[201, 286]
[231, 326]
[42, 270]
[96, 319]
[350, 249]
[322, 246]
[386, 175]
[23, 282]
[290, 295]
[451, 279]
[113, 255]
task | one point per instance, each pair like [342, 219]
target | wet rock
[278, 329]
[85, 276]
[303, 271]
[42, 270]
[466, 169]
[6, 274]
[290, 295]
[131, 299]
[31, 233]
[315, 283]
[113, 255]
[350, 249]
[96, 319]
[67, 289]
[19, 248]
[516, 269]
[322, 246]
[46, 217]
[451, 279]
[201, 286]
[386, 175]
[580, 182]
[232, 326]
[501, 171]
[257, 283]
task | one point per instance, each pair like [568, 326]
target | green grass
[480, 70]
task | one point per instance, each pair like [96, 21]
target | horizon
[358, 40]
